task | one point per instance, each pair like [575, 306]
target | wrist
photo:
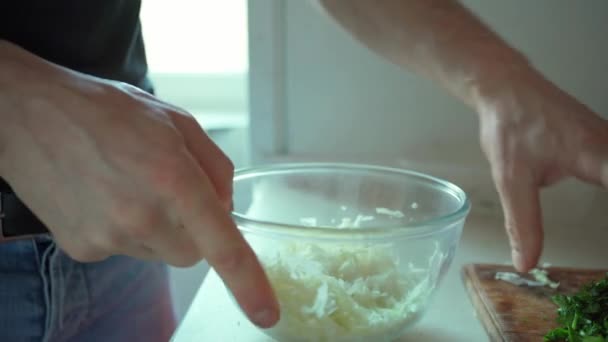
[478, 68]
[498, 81]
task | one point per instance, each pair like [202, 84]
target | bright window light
[195, 36]
[198, 57]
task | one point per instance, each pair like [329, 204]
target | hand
[534, 135]
[112, 170]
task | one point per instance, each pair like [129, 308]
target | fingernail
[518, 260]
[265, 318]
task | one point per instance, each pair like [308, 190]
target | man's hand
[112, 170]
[534, 134]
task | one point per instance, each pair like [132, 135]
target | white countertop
[576, 233]
[213, 317]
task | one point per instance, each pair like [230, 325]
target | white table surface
[576, 233]
[569, 241]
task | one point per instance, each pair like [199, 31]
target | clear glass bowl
[353, 252]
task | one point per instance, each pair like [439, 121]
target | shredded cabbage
[541, 278]
[343, 293]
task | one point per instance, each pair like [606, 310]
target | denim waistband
[47, 296]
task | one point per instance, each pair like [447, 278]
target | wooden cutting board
[519, 313]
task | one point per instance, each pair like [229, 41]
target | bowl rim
[431, 226]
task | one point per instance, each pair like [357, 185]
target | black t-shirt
[97, 37]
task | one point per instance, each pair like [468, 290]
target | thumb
[519, 195]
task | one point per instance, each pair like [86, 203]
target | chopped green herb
[583, 316]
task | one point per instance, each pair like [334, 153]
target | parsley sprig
[583, 316]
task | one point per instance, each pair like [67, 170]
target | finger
[520, 200]
[174, 245]
[225, 248]
[216, 165]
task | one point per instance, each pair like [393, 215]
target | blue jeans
[47, 296]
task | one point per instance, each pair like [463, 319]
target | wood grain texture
[519, 313]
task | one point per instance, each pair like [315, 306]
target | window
[197, 55]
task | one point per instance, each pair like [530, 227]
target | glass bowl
[353, 252]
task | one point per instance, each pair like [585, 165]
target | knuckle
[118, 91]
[129, 89]
[186, 259]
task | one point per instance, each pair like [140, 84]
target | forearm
[439, 39]
[12, 59]
[18, 69]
